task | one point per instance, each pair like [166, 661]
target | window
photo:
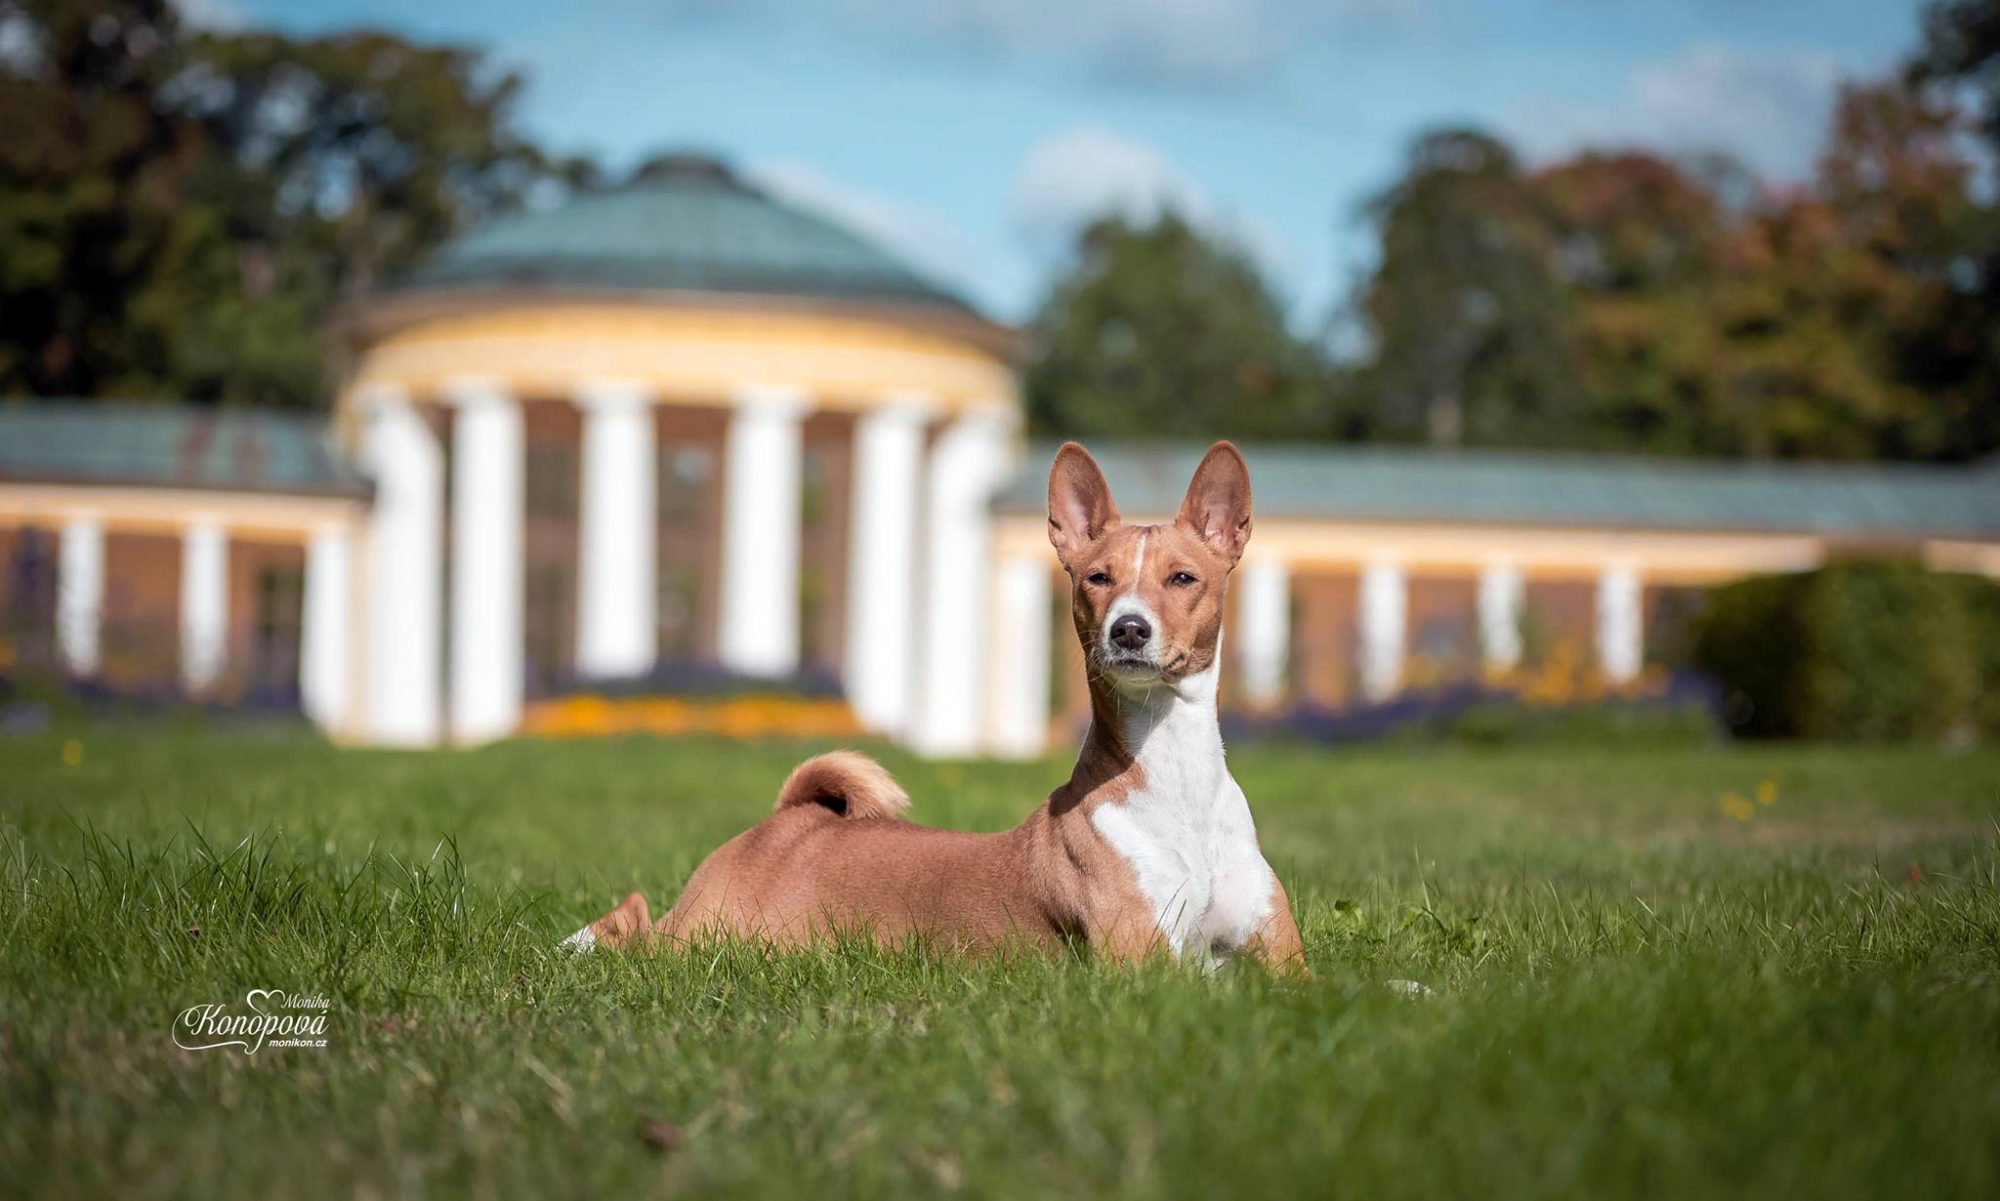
[815, 479]
[551, 479]
[274, 657]
[28, 598]
[679, 591]
[546, 614]
[685, 470]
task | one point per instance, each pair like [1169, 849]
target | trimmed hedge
[1855, 650]
[1499, 723]
[1982, 611]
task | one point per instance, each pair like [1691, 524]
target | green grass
[1634, 993]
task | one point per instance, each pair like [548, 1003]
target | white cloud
[1079, 174]
[1073, 177]
[1771, 112]
[924, 239]
[220, 16]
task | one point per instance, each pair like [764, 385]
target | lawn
[1643, 980]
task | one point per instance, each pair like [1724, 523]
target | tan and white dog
[1148, 847]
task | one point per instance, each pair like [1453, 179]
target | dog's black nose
[1131, 633]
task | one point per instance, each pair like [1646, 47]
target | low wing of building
[1374, 569]
[165, 550]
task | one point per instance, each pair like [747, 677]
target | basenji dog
[1148, 848]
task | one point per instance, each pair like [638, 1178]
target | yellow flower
[1767, 792]
[72, 753]
[1737, 807]
[754, 716]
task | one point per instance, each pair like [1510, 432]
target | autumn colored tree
[1851, 329]
[1618, 301]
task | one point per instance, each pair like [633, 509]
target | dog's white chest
[1196, 861]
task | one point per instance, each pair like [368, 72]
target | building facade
[679, 422]
[672, 420]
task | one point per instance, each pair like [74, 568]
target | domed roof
[684, 223]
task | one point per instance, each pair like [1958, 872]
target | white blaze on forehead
[1128, 601]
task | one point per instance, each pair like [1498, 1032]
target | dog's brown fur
[837, 856]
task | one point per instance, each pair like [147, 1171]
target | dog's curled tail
[847, 783]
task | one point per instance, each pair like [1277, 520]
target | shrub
[1856, 650]
[1507, 722]
[1982, 613]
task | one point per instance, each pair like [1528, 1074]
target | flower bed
[592, 715]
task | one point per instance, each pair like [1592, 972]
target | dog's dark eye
[1098, 577]
[1181, 579]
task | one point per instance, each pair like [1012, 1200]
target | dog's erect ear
[1080, 507]
[1217, 508]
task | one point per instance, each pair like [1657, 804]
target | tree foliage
[180, 211]
[1621, 301]
[1961, 56]
[1638, 250]
[1162, 331]
[1962, 46]
[1471, 324]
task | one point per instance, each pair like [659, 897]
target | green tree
[1469, 334]
[1638, 245]
[93, 172]
[1161, 331]
[1961, 54]
[1962, 46]
[181, 212]
[360, 147]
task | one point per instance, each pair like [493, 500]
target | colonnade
[914, 662]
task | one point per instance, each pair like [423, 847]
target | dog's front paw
[627, 925]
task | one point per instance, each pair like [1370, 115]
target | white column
[1384, 612]
[617, 631]
[1020, 649]
[1501, 594]
[204, 604]
[1621, 647]
[486, 584]
[760, 533]
[80, 594]
[1264, 608]
[324, 651]
[882, 562]
[405, 571]
[967, 464]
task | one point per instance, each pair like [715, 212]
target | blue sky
[975, 135]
